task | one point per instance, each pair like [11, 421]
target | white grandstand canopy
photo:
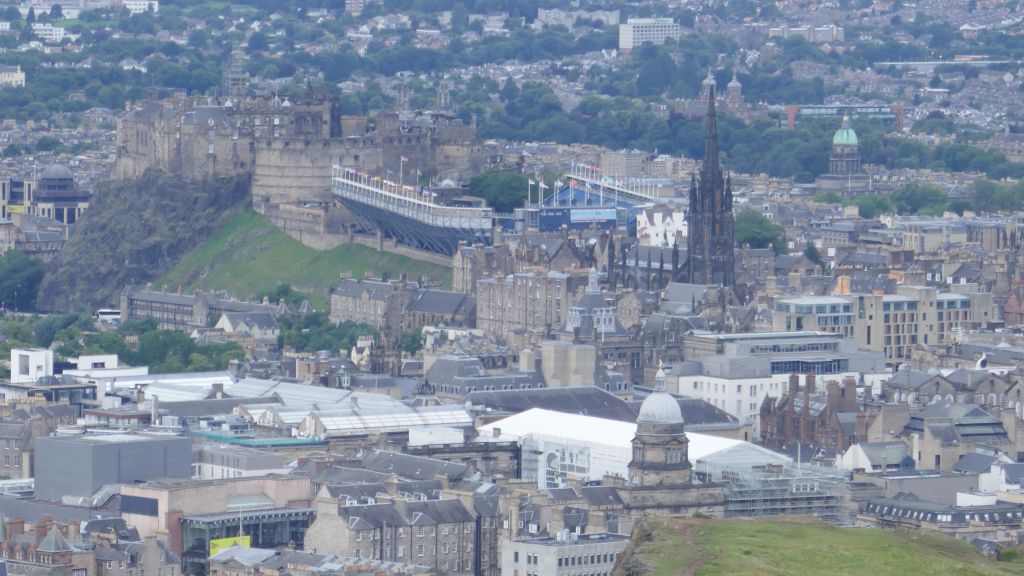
[618, 436]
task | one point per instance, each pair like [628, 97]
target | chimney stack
[154, 416]
[15, 526]
[849, 394]
[794, 389]
[833, 393]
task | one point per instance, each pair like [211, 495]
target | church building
[710, 219]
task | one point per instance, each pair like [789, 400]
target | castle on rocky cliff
[288, 147]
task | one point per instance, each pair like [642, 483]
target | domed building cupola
[707, 88]
[660, 447]
[845, 157]
[734, 90]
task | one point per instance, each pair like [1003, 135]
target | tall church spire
[710, 221]
[711, 169]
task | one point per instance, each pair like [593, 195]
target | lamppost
[16, 298]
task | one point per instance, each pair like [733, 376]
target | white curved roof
[588, 430]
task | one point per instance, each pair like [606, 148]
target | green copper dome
[845, 136]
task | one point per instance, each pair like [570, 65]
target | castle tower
[236, 79]
[710, 219]
[660, 447]
[734, 91]
[845, 157]
[707, 88]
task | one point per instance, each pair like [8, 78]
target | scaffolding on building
[790, 489]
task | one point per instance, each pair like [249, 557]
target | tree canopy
[920, 198]
[503, 191]
[754, 230]
[19, 279]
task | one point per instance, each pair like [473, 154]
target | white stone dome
[660, 408]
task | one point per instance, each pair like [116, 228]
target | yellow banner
[224, 543]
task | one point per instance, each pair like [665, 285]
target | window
[419, 550]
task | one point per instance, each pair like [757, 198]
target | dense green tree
[812, 254]
[657, 73]
[257, 43]
[920, 198]
[872, 207]
[47, 144]
[754, 230]
[410, 342]
[19, 279]
[503, 191]
[315, 332]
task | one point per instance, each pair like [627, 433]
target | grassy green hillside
[248, 254]
[671, 547]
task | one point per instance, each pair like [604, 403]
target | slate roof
[263, 320]
[34, 510]
[111, 525]
[341, 475]
[587, 400]
[439, 511]
[12, 429]
[54, 542]
[696, 412]
[440, 302]
[1014, 473]
[370, 516]
[488, 505]
[847, 423]
[909, 379]
[211, 407]
[205, 116]
[974, 463]
[884, 454]
[412, 467]
[961, 376]
[468, 372]
[601, 496]
[374, 289]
